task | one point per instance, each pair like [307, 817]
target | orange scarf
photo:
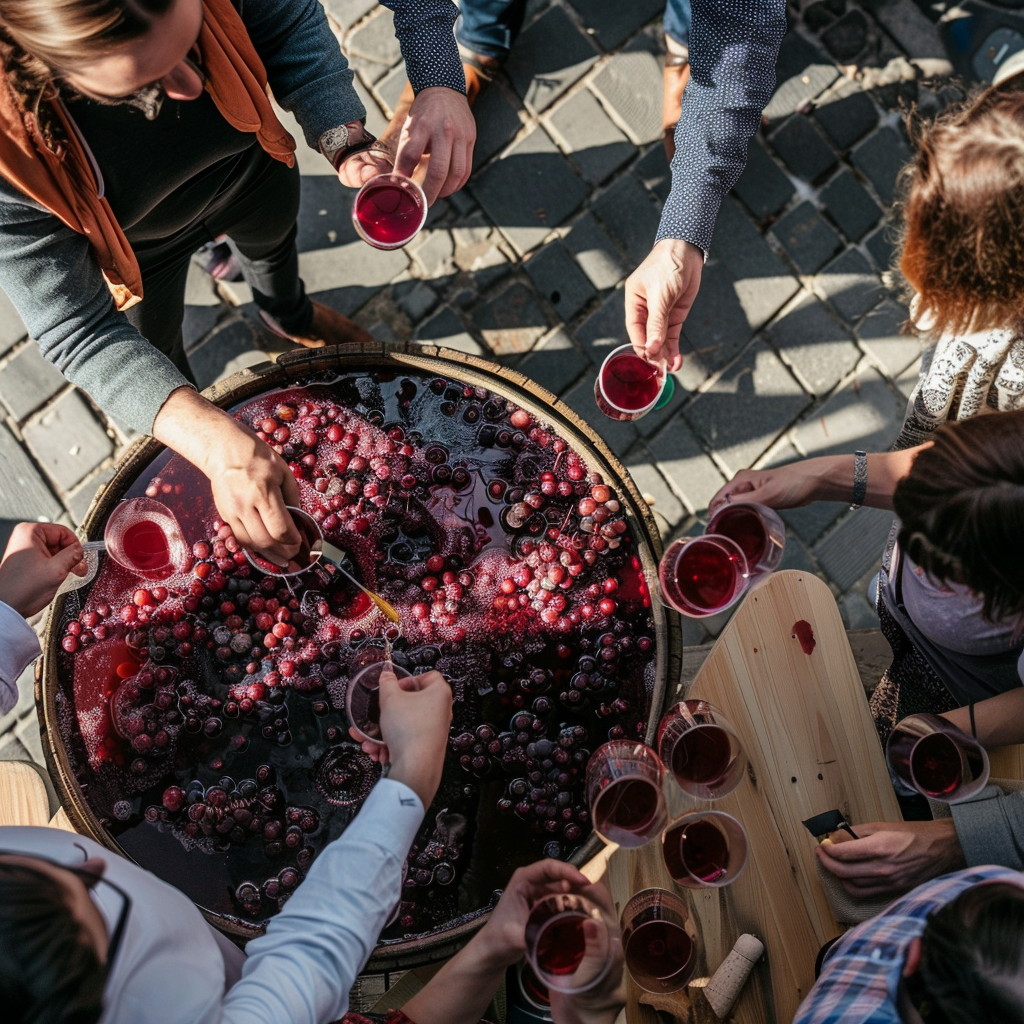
[63, 180]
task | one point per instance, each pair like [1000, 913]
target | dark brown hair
[962, 509]
[972, 955]
[40, 40]
[963, 235]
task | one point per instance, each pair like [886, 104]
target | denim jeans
[489, 27]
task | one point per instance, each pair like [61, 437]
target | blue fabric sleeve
[302, 970]
[425, 33]
[734, 45]
[57, 287]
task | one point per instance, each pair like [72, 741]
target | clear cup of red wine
[389, 211]
[627, 804]
[144, 537]
[757, 529]
[702, 576]
[700, 749]
[659, 941]
[705, 849]
[569, 942]
[940, 761]
[628, 387]
[362, 698]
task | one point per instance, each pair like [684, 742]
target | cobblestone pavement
[792, 348]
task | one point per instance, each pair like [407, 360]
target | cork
[724, 988]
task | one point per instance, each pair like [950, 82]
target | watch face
[334, 139]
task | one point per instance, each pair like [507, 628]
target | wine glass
[702, 576]
[628, 387]
[757, 529]
[936, 758]
[705, 849]
[569, 942]
[699, 747]
[144, 537]
[362, 698]
[659, 941]
[389, 211]
[627, 805]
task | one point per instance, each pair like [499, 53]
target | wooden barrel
[299, 367]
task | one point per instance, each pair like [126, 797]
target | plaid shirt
[862, 970]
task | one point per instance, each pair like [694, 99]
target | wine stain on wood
[802, 631]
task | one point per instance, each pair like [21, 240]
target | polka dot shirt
[733, 48]
[424, 30]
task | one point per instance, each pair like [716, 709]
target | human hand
[891, 857]
[38, 558]
[783, 487]
[602, 1004]
[359, 168]
[435, 142]
[659, 294]
[415, 713]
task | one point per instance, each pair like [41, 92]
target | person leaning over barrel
[133, 132]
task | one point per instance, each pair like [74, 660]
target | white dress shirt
[19, 647]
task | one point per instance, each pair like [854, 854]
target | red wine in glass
[362, 698]
[744, 526]
[704, 850]
[145, 545]
[562, 945]
[568, 942]
[657, 953]
[389, 211]
[936, 765]
[627, 805]
[627, 386]
[702, 575]
[702, 755]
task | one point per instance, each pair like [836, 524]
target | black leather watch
[338, 144]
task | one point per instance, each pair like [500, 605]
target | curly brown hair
[963, 235]
[961, 509]
[41, 40]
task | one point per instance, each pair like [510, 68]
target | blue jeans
[490, 27]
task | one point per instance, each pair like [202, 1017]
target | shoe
[677, 74]
[328, 327]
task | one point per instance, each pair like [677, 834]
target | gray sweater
[49, 271]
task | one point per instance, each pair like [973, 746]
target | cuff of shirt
[432, 57]
[19, 647]
[985, 828]
[390, 817]
[689, 221]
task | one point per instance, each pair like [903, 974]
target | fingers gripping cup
[701, 576]
[936, 758]
[389, 211]
[569, 942]
[699, 747]
[757, 529]
[659, 941]
[627, 805]
[362, 699]
[705, 849]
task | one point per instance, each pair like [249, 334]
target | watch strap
[860, 478]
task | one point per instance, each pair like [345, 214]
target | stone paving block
[802, 149]
[651, 483]
[629, 84]
[763, 282]
[346, 277]
[612, 24]
[549, 56]
[881, 335]
[28, 734]
[846, 113]
[389, 88]
[512, 321]
[68, 440]
[595, 252]
[855, 546]
[237, 344]
[716, 326]
[325, 215]
[11, 328]
[865, 414]
[654, 172]
[856, 612]
[851, 284]
[605, 329]
[529, 192]
[909, 378]
[747, 407]
[12, 749]
[881, 244]
[802, 72]
[619, 436]
[555, 362]
[347, 12]
[795, 556]
[376, 121]
[433, 253]
[763, 186]
[373, 47]
[811, 521]
[880, 158]
[28, 381]
[497, 124]
[80, 499]
[847, 37]
[25, 704]
[589, 136]
[849, 206]
[415, 299]
[629, 213]
[821, 349]
[559, 279]
[807, 238]
[684, 464]
[445, 328]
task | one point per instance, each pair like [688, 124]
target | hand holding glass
[569, 942]
[936, 758]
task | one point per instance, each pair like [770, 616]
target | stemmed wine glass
[627, 804]
[701, 576]
[699, 747]
[569, 942]
[705, 849]
[362, 698]
[659, 941]
[936, 758]
[757, 529]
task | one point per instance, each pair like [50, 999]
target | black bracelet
[860, 478]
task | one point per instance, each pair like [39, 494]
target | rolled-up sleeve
[734, 45]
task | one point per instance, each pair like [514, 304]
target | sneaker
[328, 327]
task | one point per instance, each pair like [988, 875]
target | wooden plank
[23, 797]
[1007, 762]
[800, 713]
